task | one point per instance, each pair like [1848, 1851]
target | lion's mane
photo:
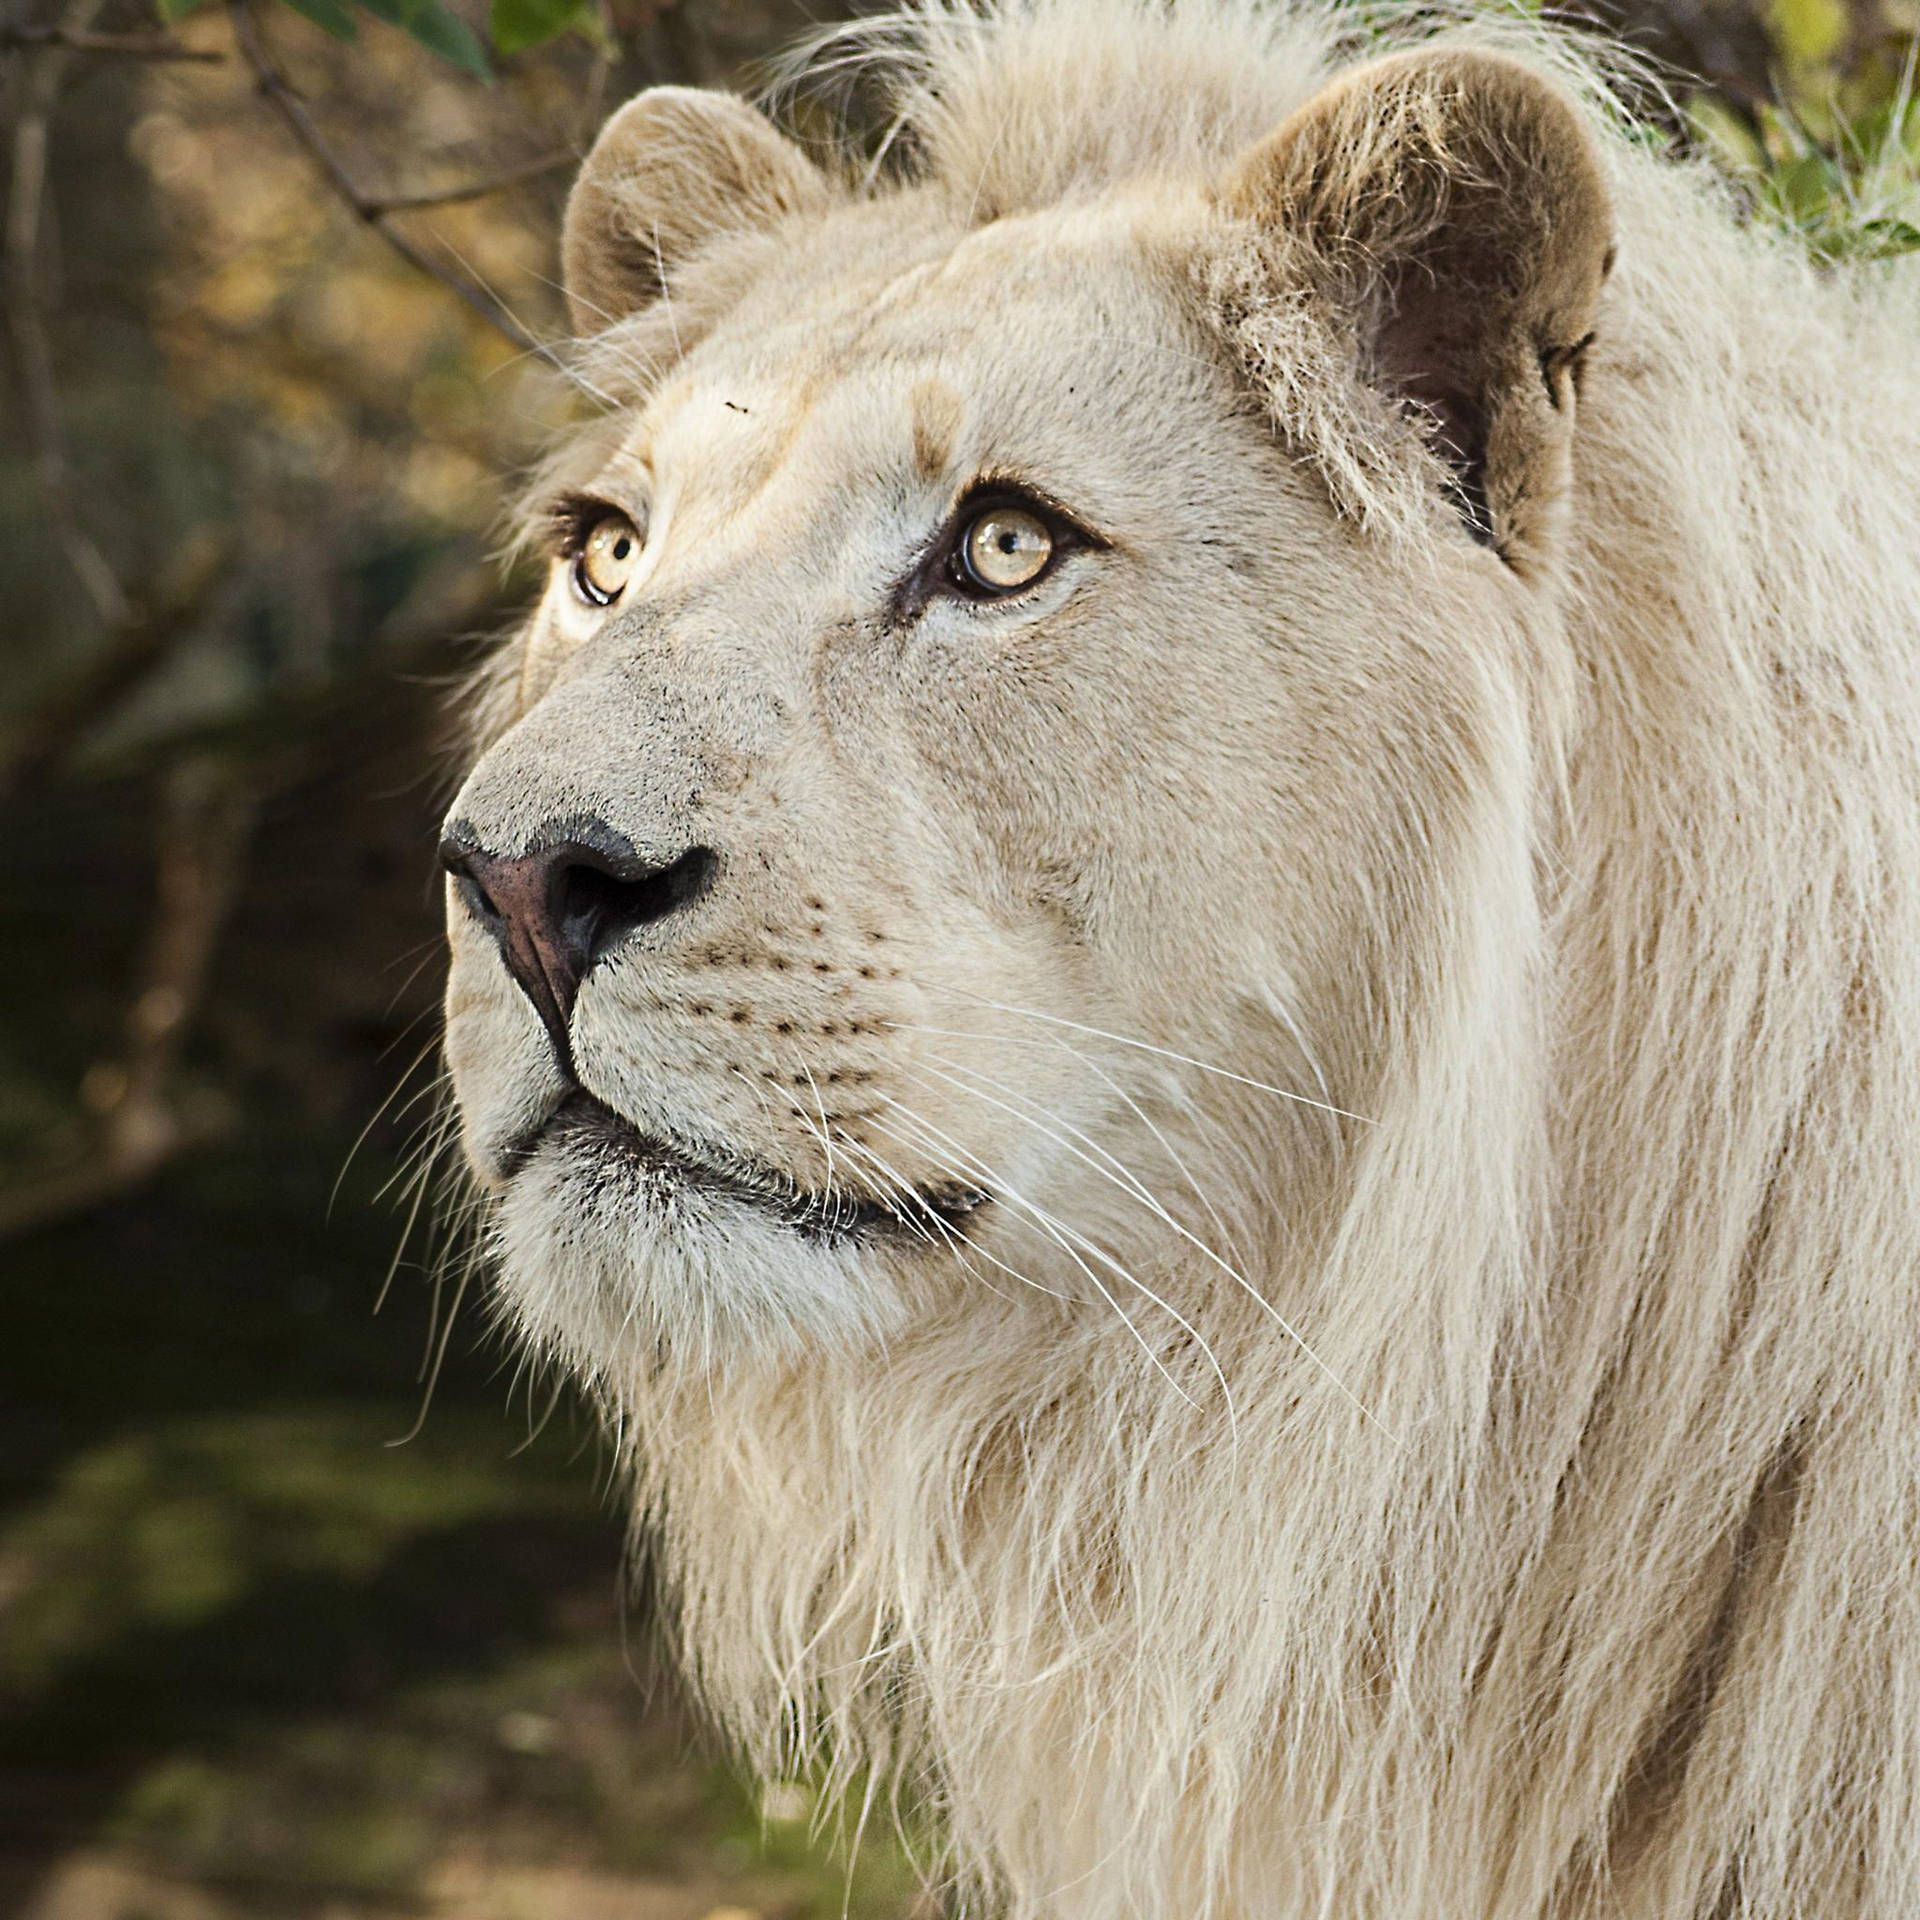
[1608, 1602]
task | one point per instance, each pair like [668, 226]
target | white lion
[1187, 959]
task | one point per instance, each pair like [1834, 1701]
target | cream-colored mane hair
[1251, 1217]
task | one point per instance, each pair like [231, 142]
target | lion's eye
[1003, 549]
[606, 559]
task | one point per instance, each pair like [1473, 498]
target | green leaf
[172, 10]
[1886, 237]
[436, 28]
[335, 16]
[519, 24]
[1807, 187]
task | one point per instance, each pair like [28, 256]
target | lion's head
[952, 701]
[1147, 949]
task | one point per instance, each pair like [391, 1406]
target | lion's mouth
[587, 1128]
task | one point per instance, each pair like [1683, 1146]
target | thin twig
[368, 209]
[380, 204]
[592, 107]
[117, 46]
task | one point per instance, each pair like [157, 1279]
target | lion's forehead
[916, 369]
[901, 268]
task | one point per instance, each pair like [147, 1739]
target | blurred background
[311, 1602]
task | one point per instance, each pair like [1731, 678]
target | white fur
[1432, 1425]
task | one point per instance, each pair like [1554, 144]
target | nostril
[460, 861]
[477, 897]
[599, 904]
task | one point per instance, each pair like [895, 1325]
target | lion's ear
[1451, 206]
[675, 168]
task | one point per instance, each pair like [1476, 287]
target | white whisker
[826, 1125]
[412, 1067]
[1165, 1053]
[1129, 1183]
[963, 1244]
[1073, 1243]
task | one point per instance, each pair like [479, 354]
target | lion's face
[951, 713]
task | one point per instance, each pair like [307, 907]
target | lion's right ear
[674, 169]
[1445, 216]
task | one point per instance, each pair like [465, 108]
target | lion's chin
[622, 1251]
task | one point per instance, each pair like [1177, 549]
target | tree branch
[121, 46]
[368, 209]
[379, 205]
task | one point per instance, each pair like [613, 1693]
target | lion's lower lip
[585, 1123]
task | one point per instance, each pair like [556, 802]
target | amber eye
[606, 559]
[1003, 549]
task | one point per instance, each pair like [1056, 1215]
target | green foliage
[433, 24]
[435, 27]
[517, 25]
[514, 26]
[1847, 184]
[333, 16]
[1808, 33]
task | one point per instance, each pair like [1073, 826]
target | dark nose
[560, 908]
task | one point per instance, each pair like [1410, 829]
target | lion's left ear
[1451, 207]
[674, 170]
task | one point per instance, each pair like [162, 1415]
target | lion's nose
[560, 908]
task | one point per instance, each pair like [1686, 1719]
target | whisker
[908, 1207]
[360, 1139]
[1056, 1043]
[1072, 1243]
[469, 1265]
[422, 956]
[971, 1176]
[666, 292]
[1131, 1184]
[954, 1238]
[431, 1137]
[826, 1125]
[1166, 1146]
[419, 1186]
[534, 1432]
[1166, 1053]
[1120, 1175]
